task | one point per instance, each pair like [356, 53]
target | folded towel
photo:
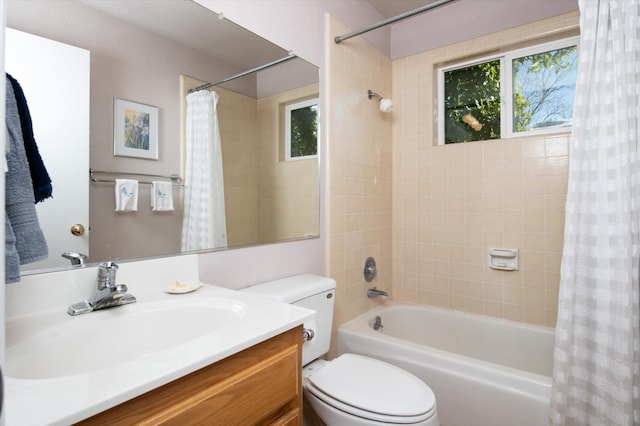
[161, 196]
[126, 195]
[19, 199]
[39, 176]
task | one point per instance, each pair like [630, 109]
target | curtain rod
[392, 20]
[243, 73]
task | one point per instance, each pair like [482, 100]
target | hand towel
[19, 199]
[126, 195]
[161, 196]
[40, 179]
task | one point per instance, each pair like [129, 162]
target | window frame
[506, 86]
[299, 104]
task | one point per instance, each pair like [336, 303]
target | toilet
[351, 389]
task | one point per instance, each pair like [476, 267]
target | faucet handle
[370, 271]
[107, 274]
[75, 258]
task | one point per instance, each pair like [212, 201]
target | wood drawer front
[243, 399]
[291, 418]
[260, 385]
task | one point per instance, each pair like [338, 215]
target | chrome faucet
[372, 293]
[108, 294]
[75, 258]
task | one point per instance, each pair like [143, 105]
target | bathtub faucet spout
[372, 293]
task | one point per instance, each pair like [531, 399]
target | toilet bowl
[351, 390]
[357, 390]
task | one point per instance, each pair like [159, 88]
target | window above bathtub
[301, 130]
[517, 93]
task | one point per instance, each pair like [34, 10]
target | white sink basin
[61, 369]
[65, 346]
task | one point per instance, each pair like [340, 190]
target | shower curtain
[596, 378]
[204, 224]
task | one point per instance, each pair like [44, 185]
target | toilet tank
[312, 292]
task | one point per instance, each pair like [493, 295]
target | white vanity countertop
[66, 399]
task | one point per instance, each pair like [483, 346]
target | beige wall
[288, 206]
[359, 170]
[451, 203]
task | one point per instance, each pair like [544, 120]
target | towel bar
[176, 180]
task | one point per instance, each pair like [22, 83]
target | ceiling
[391, 8]
[191, 24]
[449, 23]
[460, 20]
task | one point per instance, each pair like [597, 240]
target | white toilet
[351, 389]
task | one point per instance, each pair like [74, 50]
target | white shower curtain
[204, 224]
[596, 378]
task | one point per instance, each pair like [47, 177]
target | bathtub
[484, 371]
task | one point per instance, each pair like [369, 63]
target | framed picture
[135, 130]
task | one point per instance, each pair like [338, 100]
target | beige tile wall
[238, 118]
[287, 190]
[359, 170]
[258, 186]
[451, 203]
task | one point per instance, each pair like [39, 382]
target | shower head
[386, 105]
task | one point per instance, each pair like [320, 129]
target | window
[522, 92]
[301, 130]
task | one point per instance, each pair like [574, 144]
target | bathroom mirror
[147, 52]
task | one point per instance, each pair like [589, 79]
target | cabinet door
[261, 385]
[291, 418]
[243, 399]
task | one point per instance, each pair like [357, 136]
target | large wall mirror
[152, 54]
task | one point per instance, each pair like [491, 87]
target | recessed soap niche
[503, 259]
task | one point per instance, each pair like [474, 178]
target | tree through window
[524, 91]
[301, 129]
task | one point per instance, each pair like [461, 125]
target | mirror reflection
[149, 55]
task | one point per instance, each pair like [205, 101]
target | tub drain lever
[377, 323]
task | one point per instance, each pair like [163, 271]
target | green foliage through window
[543, 88]
[523, 91]
[472, 103]
[301, 129]
[304, 131]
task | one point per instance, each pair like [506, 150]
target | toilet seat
[373, 390]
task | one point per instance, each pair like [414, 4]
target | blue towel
[11, 258]
[40, 179]
[19, 199]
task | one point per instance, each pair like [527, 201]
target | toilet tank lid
[293, 289]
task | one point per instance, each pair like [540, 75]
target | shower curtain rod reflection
[243, 73]
[392, 20]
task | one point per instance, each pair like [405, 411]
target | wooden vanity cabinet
[261, 385]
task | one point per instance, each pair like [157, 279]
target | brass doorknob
[77, 229]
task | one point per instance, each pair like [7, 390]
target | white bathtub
[484, 371]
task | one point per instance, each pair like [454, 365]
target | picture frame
[135, 130]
